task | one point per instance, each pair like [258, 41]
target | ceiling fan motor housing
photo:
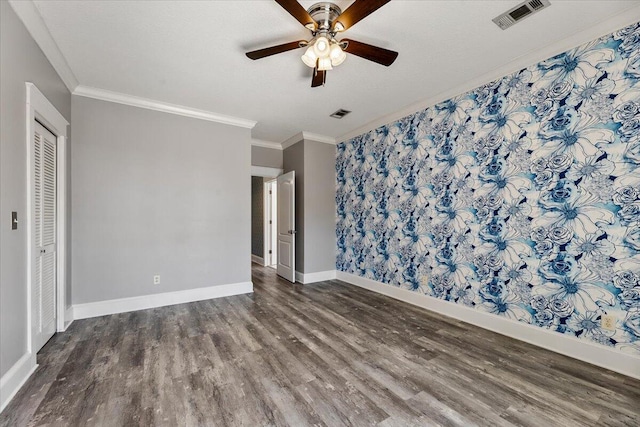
[324, 13]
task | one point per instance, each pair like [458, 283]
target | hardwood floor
[322, 354]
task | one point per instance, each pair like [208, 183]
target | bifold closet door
[44, 236]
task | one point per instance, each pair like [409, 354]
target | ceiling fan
[325, 20]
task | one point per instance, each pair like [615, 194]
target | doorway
[264, 216]
[45, 225]
[273, 220]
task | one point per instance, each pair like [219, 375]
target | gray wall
[156, 193]
[261, 156]
[314, 163]
[21, 60]
[319, 206]
[257, 216]
[294, 161]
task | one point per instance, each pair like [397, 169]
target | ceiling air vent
[340, 114]
[520, 12]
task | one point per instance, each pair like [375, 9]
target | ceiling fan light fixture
[324, 64]
[337, 55]
[325, 20]
[309, 58]
[322, 47]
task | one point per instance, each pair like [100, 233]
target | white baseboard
[257, 259]
[626, 364]
[320, 276]
[68, 317]
[15, 378]
[123, 305]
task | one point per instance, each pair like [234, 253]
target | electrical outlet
[608, 321]
[156, 279]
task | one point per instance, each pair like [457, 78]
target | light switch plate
[14, 220]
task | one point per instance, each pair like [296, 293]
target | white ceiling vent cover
[520, 12]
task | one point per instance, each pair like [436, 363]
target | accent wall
[520, 198]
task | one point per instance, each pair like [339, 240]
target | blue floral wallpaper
[520, 198]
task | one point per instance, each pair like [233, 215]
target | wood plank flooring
[326, 354]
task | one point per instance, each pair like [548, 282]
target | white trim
[68, 316]
[61, 217]
[308, 136]
[293, 140]
[586, 351]
[265, 172]
[38, 106]
[320, 276]
[271, 213]
[32, 20]
[46, 109]
[15, 377]
[266, 203]
[123, 305]
[165, 107]
[258, 260]
[266, 144]
[603, 28]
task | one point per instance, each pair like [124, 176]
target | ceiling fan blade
[319, 78]
[297, 11]
[359, 10]
[268, 51]
[370, 52]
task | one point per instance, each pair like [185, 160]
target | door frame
[272, 173]
[39, 107]
[270, 213]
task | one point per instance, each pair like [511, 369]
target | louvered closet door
[44, 234]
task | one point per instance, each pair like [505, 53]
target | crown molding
[594, 32]
[32, 20]
[308, 136]
[266, 144]
[165, 107]
[293, 140]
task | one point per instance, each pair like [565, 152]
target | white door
[286, 248]
[43, 281]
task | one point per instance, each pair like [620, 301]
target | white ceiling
[191, 53]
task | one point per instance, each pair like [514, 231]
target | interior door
[286, 247]
[44, 234]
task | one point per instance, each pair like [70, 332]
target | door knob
[293, 231]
